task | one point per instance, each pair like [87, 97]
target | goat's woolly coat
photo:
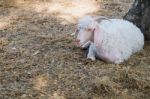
[116, 34]
[122, 35]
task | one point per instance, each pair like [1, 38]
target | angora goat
[112, 40]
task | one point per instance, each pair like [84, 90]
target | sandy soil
[39, 60]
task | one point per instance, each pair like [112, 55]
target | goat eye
[89, 29]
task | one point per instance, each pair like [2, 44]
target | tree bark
[139, 14]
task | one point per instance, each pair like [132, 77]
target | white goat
[112, 40]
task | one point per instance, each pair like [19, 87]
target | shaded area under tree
[139, 14]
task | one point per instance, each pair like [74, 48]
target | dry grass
[38, 58]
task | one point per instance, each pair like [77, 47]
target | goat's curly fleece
[121, 34]
[116, 34]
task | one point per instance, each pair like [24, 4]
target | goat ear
[97, 35]
[97, 29]
[93, 31]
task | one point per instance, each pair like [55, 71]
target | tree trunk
[139, 14]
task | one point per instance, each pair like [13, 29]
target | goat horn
[99, 18]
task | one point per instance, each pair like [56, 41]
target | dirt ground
[39, 60]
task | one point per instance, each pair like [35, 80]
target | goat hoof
[91, 58]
